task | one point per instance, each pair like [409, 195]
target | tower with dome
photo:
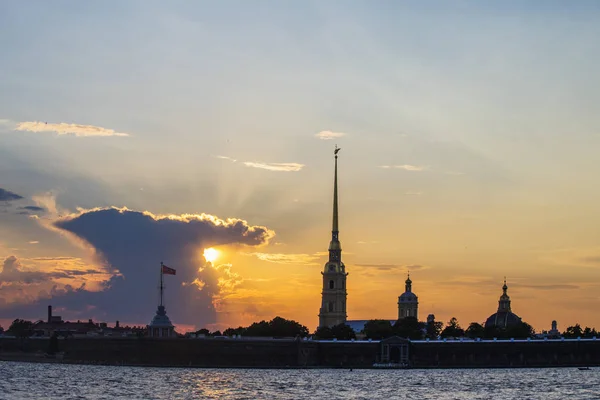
[408, 302]
[504, 317]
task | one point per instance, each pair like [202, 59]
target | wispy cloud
[282, 258]
[280, 167]
[329, 135]
[68, 129]
[226, 158]
[33, 241]
[390, 267]
[406, 167]
[413, 193]
[284, 167]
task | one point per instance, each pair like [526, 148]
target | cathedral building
[408, 302]
[334, 294]
[504, 317]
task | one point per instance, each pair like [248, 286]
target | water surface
[65, 382]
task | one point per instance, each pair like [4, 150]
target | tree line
[375, 329]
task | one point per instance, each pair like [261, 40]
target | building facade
[408, 302]
[334, 294]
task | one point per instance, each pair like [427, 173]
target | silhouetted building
[504, 317]
[554, 331]
[334, 294]
[408, 302]
[161, 326]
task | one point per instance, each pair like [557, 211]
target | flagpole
[161, 283]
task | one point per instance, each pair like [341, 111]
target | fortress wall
[291, 353]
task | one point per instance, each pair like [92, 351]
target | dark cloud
[134, 243]
[6, 195]
[33, 208]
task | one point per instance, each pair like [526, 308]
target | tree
[202, 331]
[234, 331]
[475, 330]
[433, 329]
[21, 328]
[409, 327]
[277, 327]
[589, 332]
[378, 329]
[324, 332]
[216, 333]
[281, 327]
[573, 331]
[453, 329]
[522, 330]
[343, 332]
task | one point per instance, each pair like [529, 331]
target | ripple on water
[70, 382]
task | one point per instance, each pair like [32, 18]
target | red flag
[168, 271]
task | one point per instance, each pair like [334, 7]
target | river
[65, 382]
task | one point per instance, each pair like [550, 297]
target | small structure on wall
[161, 326]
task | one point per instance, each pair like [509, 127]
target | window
[330, 306]
[331, 285]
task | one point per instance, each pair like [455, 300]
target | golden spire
[335, 248]
[335, 194]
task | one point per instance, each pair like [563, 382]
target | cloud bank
[131, 245]
[67, 129]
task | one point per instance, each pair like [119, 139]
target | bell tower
[333, 296]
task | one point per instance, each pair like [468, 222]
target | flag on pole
[168, 271]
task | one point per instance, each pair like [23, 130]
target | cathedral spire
[334, 294]
[334, 228]
[335, 248]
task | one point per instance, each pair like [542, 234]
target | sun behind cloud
[211, 254]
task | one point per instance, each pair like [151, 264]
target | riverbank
[290, 353]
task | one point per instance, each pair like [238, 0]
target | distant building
[554, 331]
[161, 326]
[334, 294]
[408, 302]
[504, 317]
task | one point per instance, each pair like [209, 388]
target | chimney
[49, 314]
[117, 324]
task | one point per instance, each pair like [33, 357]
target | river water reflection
[65, 382]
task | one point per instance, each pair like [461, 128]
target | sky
[140, 132]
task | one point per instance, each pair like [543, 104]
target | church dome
[502, 320]
[408, 296]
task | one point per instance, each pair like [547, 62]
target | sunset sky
[145, 131]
